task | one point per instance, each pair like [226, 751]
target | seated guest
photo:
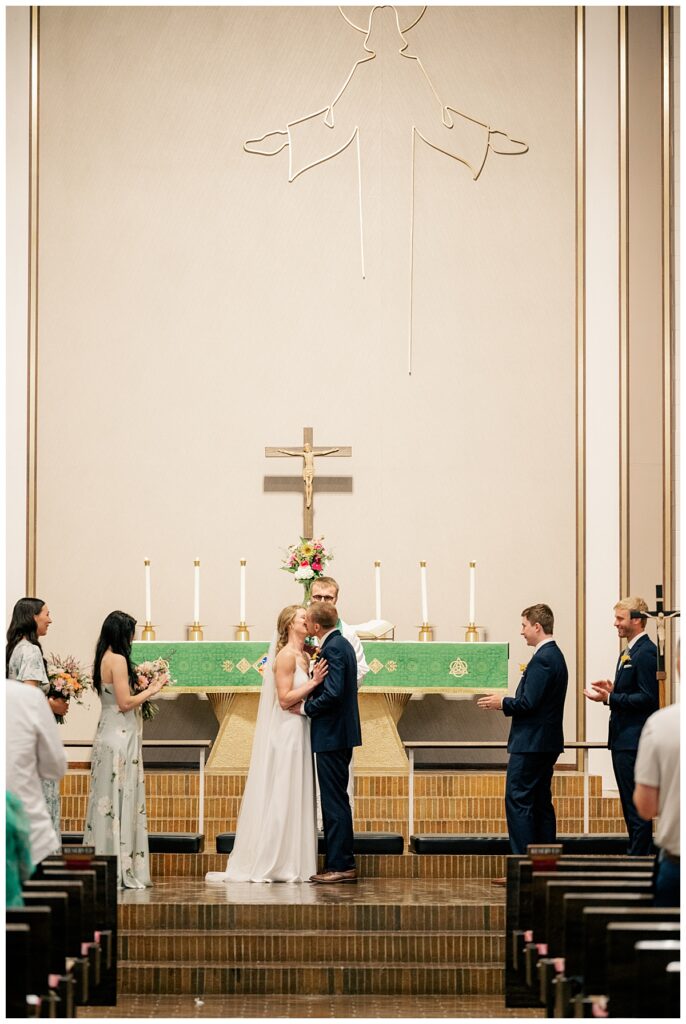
[24, 661]
[116, 821]
[657, 794]
[18, 863]
[34, 752]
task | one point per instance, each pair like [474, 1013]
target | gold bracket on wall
[470, 149]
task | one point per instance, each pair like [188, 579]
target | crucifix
[660, 614]
[308, 453]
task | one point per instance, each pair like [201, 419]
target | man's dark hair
[542, 614]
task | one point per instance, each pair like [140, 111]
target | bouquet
[151, 672]
[307, 561]
[67, 680]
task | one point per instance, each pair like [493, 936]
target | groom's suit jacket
[332, 705]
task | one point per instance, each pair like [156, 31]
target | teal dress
[116, 821]
[26, 662]
[18, 863]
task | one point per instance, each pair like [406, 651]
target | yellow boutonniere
[625, 659]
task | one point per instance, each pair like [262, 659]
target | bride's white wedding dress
[276, 834]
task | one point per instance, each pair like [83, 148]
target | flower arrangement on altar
[68, 680]
[151, 672]
[307, 561]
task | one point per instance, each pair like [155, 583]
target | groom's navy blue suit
[335, 730]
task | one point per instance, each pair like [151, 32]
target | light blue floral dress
[116, 821]
[26, 662]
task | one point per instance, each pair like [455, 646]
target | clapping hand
[599, 691]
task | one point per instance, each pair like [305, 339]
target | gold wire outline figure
[505, 145]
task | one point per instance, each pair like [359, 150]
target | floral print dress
[116, 821]
[26, 662]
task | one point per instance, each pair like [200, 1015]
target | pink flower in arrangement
[304, 562]
[317, 566]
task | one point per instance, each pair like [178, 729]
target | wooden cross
[308, 453]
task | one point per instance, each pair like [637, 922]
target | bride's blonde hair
[283, 624]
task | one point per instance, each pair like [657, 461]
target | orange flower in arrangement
[67, 680]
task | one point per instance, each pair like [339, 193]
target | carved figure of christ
[308, 453]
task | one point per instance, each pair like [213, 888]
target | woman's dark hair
[23, 626]
[117, 633]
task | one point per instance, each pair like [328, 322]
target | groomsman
[631, 698]
[536, 737]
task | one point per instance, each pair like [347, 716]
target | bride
[276, 834]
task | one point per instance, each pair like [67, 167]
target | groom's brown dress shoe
[332, 877]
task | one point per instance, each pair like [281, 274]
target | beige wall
[195, 307]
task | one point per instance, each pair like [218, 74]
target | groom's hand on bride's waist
[296, 709]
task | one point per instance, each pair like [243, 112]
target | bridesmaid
[24, 661]
[116, 822]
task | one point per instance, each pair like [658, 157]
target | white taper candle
[242, 608]
[377, 588]
[425, 603]
[472, 591]
[196, 590]
[148, 591]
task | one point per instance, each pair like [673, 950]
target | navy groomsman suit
[634, 698]
[334, 731]
[536, 739]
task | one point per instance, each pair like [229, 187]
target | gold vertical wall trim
[667, 344]
[624, 573]
[32, 361]
[580, 291]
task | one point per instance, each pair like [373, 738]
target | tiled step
[439, 917]
[317, 949]
[466, 866]
[287, 978]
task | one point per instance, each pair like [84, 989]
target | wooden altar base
[382, 750]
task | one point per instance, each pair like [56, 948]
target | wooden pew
[552, 970]
[91, 908]
[103, 993]
[41, 941]
[622, 980]
[62, 978]
[77, 962]
[519, 913]
[596, 921]
[17, 960]
[551, 945]
[651, 959]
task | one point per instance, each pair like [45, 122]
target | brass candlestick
[148, 631]
[472, 634]
[242, 631]
[426, 632]
[195, 631]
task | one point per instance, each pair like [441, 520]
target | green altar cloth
[401, 667]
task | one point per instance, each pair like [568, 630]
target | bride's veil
[258, 784]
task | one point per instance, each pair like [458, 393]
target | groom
[335, 730]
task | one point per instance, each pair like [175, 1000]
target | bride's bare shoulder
[284, 660]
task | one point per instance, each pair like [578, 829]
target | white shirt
[34, 751]
[657, 765]
[351, 636]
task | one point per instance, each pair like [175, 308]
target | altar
[229, 674]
